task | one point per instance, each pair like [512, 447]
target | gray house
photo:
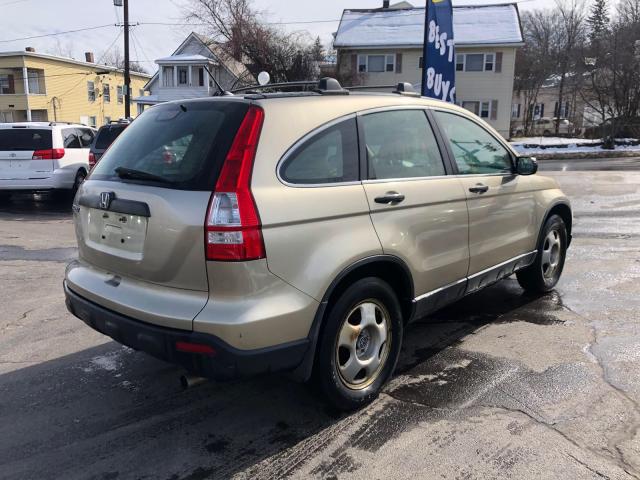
[184, 74]
[384, 46]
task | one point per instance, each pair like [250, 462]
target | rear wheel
[544, 273]
[360, 344]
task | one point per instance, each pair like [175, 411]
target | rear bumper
[227, 362]
[59, 179]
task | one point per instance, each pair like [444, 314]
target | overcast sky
[25, 18]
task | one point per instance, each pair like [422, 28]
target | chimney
[30, 49]
[385, 4]
[88, 56]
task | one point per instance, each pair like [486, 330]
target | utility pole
[127, 77]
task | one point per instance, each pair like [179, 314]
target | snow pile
[540, 145]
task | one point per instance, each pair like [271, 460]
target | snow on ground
[539, 145]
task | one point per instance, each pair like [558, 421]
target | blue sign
[439, 56]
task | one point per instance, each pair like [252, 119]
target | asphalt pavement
[500, 385]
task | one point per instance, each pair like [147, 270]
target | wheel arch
[563, 210]
[389, 268]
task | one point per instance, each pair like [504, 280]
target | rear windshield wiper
[132, 174]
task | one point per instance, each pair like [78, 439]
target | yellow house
[40, 87]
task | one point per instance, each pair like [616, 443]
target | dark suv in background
[105, 137]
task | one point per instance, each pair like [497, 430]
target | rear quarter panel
[311, 234]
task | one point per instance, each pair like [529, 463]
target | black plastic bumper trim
[228, 362]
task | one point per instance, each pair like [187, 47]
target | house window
[472, 107]
[482, 109]
[420, 63]
[475, 62]
[92, 121]
[376, 63]
[183, 75]
[119, 93]
[7, 85]
[167, 76]
[107, 120]
[141, 92]
[489, 62]
[106, 93]
[33, 83]
[6, 117]
[91, 91]
[200, 76]
[485, 110]
[515, 110]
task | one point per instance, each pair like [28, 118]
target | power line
[57, 33]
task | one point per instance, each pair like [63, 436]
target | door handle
[479, 188]
[390, 198]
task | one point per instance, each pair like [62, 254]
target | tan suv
[304, 231]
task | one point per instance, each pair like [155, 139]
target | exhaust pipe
[189, 381]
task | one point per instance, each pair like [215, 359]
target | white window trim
[480, 102]
[92, 89]
[366, 61]
[484, 61]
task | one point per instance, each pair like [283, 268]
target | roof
[46, 56]
[238, 69]
[472, 25]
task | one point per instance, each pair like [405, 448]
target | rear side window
[330, 156]
[107, 135]
[25, 139]
[70, 138]
[174, 145]
[401, 144]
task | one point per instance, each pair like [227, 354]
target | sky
[26, 18]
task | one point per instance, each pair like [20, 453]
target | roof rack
[325, 86]
[329, 86]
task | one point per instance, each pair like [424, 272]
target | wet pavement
[500, 385]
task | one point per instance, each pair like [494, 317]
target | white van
[43, 156]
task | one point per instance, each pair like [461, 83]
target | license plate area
[118, 234]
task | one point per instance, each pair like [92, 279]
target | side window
[86, 137]
[70, 138]
[475, 150]
[331, 156]
[401, 144]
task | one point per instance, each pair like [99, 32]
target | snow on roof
[184, 58]
[472, 25]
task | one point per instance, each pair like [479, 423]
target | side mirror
[526, 165]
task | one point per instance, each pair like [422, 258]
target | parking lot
[500, 385]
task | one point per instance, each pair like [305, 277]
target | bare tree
[536, 61]
[571, 35]
[65, 50]
[115, 58]
[241, 31]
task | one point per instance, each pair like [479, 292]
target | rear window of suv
[107, 135]
[24, 139]
[175, 145]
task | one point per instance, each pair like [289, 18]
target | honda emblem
[105, 199]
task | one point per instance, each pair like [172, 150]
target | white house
[185, 73]
[384, 46]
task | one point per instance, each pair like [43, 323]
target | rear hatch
[105, 137]
[26, 153]
[140, 215]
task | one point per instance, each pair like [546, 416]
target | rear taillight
[92, 160]
[233, 230]
[50, 154]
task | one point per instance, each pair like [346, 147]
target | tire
[544, 273]
[345, 343]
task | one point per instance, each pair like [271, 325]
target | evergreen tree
[317, 50]
[598, 20]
